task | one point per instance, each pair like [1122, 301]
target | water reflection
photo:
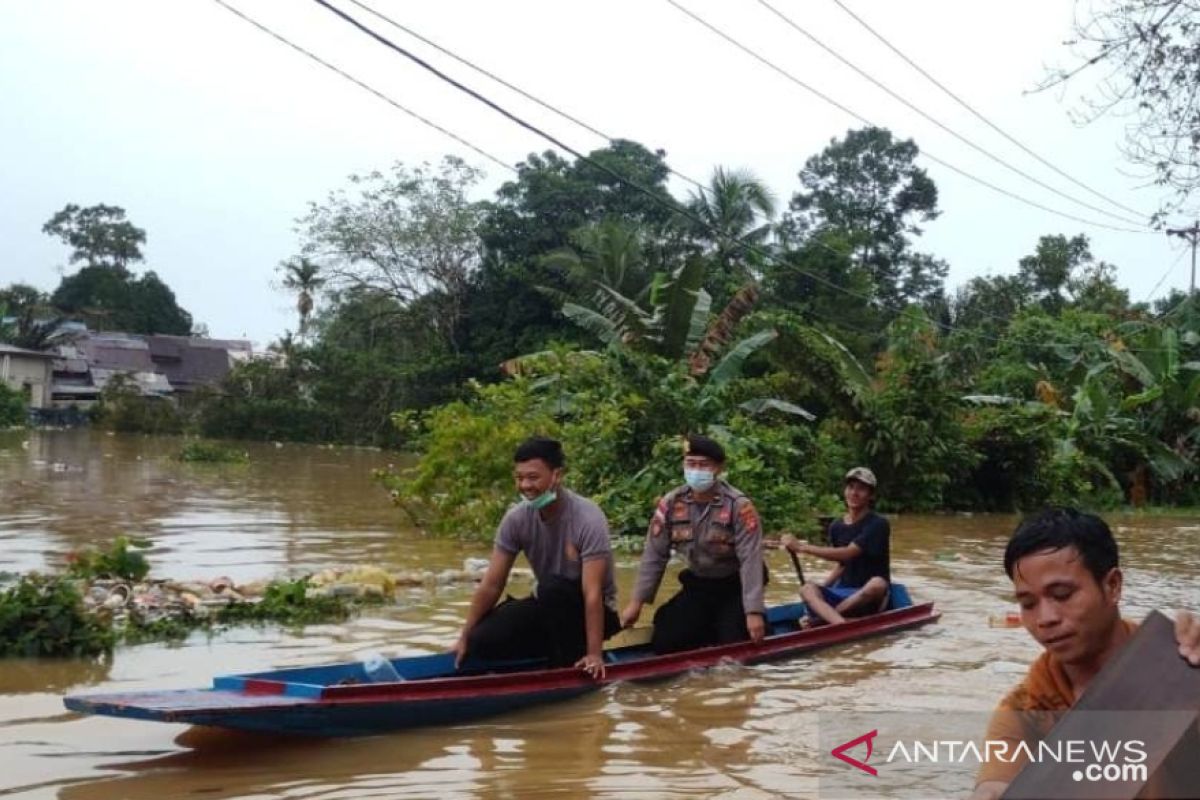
[738, 732]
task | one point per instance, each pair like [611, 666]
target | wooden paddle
[796, 564]
[776, 543]
[1146, 676]
[630, 637]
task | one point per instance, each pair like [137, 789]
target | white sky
[214, 137]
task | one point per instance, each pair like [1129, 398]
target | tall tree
[735, 207]
[552, 197]
[99, 235]
[411, 235]
[867, 188]
[303, 277]
[115, 300]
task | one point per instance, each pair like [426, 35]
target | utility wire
[933, 120]
[864, 120]
[979, 115]
[656, 197]
[357, 82]
[1182, 252]
[512, 87]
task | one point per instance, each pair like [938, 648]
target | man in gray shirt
[716, 529]
[565, 539]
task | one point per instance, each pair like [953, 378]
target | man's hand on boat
[629, 616]
[757, 626]
[460, 650]
[1187, 634]
[789, 542]
[592, 664]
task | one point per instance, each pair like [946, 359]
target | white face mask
[701, 480]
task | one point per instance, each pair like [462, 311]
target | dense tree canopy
[576, 303]
[98, 235]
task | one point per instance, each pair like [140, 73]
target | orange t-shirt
[1029, 711]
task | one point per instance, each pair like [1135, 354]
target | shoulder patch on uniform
[748, 519]
[659, 520]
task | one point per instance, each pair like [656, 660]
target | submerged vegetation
[106, 598]
[199, 451]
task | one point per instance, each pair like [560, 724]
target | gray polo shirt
[577, 533]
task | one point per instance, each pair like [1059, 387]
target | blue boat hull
[334, 700]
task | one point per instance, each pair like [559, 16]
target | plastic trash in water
[378, 669]
[1010, 620]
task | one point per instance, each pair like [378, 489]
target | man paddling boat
[860, 551]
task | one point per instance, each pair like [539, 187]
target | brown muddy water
[734, 732]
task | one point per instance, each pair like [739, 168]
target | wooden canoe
[334, 700]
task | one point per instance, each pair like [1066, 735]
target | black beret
[698, 445]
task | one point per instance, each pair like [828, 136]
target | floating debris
[150, 601]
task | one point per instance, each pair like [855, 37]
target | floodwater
[731, 732]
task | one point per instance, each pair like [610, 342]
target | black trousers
[706, 611]
[550, 626]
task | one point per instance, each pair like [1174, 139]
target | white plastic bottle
[378, 669]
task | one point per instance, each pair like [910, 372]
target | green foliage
[113, 299]
[44, 617]
[1017, 468]
[121, 559]
[288, 603]
[212, 453]
[910, 426]
[867, 188]
[411, 236]
[262, 399]
[98, 235]
[620, 416]
[125, 409]
[13, 411]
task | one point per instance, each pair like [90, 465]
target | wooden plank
[1158, 696]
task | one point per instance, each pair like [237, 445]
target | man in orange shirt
[1067, 579]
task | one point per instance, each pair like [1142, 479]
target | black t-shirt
[873, 534]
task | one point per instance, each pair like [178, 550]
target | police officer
[717, 531]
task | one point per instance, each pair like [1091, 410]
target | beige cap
[862, 475]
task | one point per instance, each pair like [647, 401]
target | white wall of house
[31, 376]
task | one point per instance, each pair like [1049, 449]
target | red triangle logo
[839, 752]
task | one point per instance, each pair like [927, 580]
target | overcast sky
[215, 137]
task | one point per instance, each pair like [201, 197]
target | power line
[979, 115]
[510, 86]
[1182, 252]
[360, 84]
[938, 123]
[864, 120]
[668, 201]
[480, 70]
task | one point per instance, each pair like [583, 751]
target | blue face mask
[701, 480]
[541, 501]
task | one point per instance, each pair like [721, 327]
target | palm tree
[302, 276]
[610, 253]
[735, 205]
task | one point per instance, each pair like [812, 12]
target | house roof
[108, 351]
[188, 362]
[8, 349]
